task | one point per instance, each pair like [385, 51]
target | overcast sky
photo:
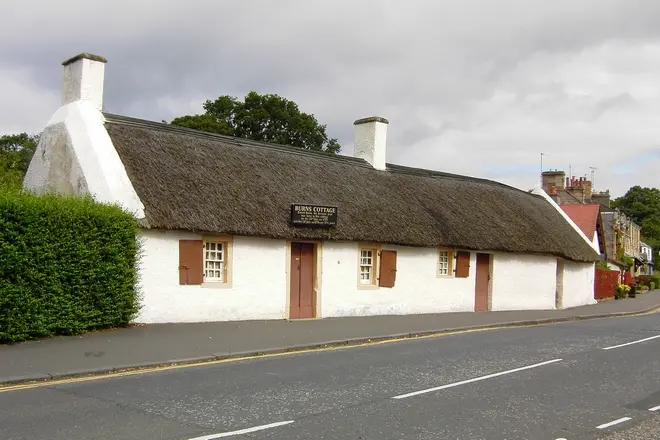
[473, 87]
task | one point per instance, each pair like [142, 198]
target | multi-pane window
[443, 263]
[214, 261]
[366, 266]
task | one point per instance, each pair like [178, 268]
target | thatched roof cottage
[235, 229]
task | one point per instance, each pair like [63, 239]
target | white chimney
[371, 140]
[83, 79]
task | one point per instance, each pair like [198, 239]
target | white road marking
[631, 343]
[616, 422]
[242, 431]
[655, 408]
[476, 379]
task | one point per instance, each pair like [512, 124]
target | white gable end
[75, 156]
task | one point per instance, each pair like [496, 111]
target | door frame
[316, 291]
[490, 255]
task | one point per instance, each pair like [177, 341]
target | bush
[655, 280]
[652, 285]
[67, 265]
[621, 291]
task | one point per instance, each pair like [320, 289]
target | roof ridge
[136, 122]
[396, 168]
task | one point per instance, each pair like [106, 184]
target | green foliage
[621, 291]
[602, 265]
[16, 152]
[266, 118]
[655, 281]
[67, 265]
[628, 261]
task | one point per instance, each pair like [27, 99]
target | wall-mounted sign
[313, 215]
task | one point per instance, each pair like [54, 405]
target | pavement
[578, 380]
[163, 344]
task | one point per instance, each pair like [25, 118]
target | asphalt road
[561, 381]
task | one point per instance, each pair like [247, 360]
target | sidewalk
[171, 343]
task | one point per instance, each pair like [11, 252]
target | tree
[643, 206]
[16, 151]
[266, 118]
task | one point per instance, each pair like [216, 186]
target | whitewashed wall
[523, 282]
[76, 156]
[417, 288]
[258, 288]
[578, 284]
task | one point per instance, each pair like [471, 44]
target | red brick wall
[606, 282]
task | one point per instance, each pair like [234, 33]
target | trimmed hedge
[67, 265]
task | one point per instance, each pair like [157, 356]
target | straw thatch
[189, 180]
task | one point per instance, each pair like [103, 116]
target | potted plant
[621, 291]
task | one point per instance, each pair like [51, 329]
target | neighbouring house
[646, 252]
[587, 218]
[234, 229]
[620, 236]
[569, 190]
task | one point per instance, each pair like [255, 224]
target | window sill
[368, 287]
[216, 285]
[445, 277]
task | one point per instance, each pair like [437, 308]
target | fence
[606, 282]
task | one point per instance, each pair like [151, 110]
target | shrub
[602, 265]
[621, 291]
[655, 280]
[652, 285]
[67, 265]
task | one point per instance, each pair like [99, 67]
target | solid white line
[631, 343]
[616, 422]
[655, 408]
[242, 431]
[476, 379]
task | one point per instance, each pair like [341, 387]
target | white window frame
[440, 263]
[372, 283]
[225, 263]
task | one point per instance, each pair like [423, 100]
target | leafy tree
[16, 151]
[267, 118]
[643, 206]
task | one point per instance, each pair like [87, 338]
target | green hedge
[67, 265]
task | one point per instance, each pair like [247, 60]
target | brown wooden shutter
[191, 261]
[462, 264]
[387, 269]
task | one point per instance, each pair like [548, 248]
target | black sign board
[313, 215]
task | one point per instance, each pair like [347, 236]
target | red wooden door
[302, 302]
[481, 285]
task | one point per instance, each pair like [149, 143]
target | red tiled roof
[585, 216]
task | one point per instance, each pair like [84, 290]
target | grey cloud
[338, 59]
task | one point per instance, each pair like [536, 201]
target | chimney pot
[83, 79]
[371, 140]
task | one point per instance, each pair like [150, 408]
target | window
[367, 266]
[215, 257]
[445, 258]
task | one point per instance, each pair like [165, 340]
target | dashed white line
[655, 408]
[476, 379]
[631, 343]
[242, 431]
[616, 422]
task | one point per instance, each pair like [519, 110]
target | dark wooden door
[302, 281]
[481, 286]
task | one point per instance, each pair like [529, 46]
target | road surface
[596, 379]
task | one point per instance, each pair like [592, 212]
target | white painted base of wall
[417, 289]
[578, 284]
[523, 282]
[259, 283]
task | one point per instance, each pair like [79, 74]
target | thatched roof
[190, 180]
